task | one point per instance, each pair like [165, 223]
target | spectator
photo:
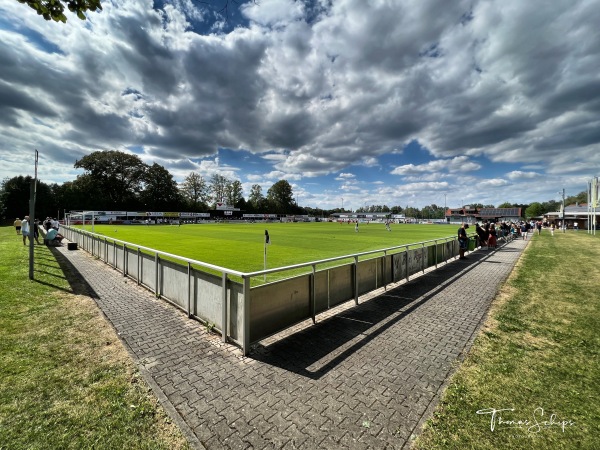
[493, 237]
[524, 230]
[36, 231]
[483, 238]
[53, 237]
[17, 225]
[463, 240]
[25, 229]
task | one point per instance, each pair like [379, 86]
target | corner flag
[267, 239]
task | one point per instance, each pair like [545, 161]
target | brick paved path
[363, 377]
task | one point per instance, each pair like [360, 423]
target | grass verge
[66, 381]
[531, 380]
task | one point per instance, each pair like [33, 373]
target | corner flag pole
[267, 241]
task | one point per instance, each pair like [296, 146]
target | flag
[267, 239]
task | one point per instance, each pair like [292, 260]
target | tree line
[117, 181]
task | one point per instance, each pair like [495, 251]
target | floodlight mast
[32, 194]
[564, 225]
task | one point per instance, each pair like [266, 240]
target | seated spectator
[53, 237]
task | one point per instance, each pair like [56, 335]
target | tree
[218, 188]
[55, 9]
[117, 177]
[15, 194]
[506, 205]
[256, 198]
[160, 190]
[234, 193]
[195, 191]
[281, 197]
[534, 210]
[77, 195]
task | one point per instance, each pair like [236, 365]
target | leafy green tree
[55, 9]
[256, 199]
[160, 190]
[281, 197]
[506, 205]
[77, 195]
[116, 176]
[195, 191]
[16, 192]
[234, 192]
[218, 188]
[534, 210]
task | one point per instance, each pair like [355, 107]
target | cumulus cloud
[315, 87]
[452, 165]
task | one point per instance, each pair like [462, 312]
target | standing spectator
[493, 237]
[463, 240]
[54, 224]
[483, 238]
[25, 229]
[17, 224]
[524, 230]
[36, 231]
[539, 227]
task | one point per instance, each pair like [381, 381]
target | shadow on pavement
[78, 284]
[315, 350]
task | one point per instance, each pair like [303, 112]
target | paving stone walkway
[363, 377]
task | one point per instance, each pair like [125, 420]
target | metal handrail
[261, 272]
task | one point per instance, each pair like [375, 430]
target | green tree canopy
[534, 210]
[160, 191]
[195, 191]
[117, 177]
[256, 199]
[281, 197]
[218, 188]
[55, 9]
[234, 193]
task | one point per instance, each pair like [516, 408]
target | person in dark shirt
[463, 240]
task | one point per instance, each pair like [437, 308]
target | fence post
[224, 326]
[189, 291]
[139, 267]
[384, 271]
[246, 321]
[124, 259]
[356, 280]
[156, 289]
[313, 293]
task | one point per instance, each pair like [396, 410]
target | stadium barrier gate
[242, 308]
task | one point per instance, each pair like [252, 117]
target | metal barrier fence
[224, 299]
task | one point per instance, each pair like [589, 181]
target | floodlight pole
[32, 194]
[563, 212]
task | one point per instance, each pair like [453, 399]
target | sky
[353, 102]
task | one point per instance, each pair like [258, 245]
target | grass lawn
[66, 381]
[537, 360]
[240, 246]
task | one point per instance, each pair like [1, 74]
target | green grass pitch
[240, 246]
